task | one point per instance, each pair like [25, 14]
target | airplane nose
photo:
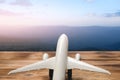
[64, 36]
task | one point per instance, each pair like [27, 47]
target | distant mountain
[115, 46]
[45, 38]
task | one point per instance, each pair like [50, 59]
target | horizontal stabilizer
[48, 63]
[72, 63]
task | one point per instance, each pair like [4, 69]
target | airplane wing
[72, 63]
[48, 63]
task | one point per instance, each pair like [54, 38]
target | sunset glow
[14, 13]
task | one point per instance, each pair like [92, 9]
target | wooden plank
[109, 60]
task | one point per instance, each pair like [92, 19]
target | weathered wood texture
[109, 60]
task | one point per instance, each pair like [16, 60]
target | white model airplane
[61, 62]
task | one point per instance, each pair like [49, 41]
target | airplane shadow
[77, 78]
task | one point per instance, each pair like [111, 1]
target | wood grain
[109, 60]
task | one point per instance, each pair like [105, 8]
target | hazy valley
[45, 38]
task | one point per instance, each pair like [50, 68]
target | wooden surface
[107, 60]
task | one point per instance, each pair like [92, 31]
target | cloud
[8, 13]
[22, 3]
[2, 1]
[91, 14]
[116, 14]
[89, 0]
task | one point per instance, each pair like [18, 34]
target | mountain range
[45, 38]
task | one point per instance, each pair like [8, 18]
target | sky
[22, 13]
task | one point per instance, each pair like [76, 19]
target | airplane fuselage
[61, 58]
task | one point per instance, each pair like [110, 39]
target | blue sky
[59, 12]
